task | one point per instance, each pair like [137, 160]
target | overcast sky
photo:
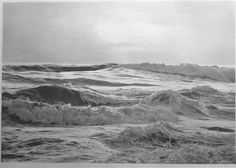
[119, 32]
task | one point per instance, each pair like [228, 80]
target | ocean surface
[111, 113]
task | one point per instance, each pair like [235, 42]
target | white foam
[84, 115]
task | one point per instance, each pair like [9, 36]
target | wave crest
[178, 103]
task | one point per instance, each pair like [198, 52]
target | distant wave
[19, 79]
[211, 72]
[83, 81]
[42, 105]
[224, 74]
[55, 67]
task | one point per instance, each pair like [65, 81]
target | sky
[170, 32]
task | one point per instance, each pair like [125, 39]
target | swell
[164, 143]
[39, 147]
[55, 68]
[160, 134]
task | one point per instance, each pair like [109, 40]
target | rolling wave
[178, 103]
[55, 94]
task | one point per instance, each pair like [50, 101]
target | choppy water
[116, 114]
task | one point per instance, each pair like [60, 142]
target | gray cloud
[97, 32]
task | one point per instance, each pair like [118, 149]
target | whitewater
[118, 113]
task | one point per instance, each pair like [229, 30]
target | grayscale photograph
[135, 82]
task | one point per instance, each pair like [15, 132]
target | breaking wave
[63, 106]
[20, 111]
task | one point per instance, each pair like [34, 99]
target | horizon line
[84, 64]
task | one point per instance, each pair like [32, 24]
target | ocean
[118, 113]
